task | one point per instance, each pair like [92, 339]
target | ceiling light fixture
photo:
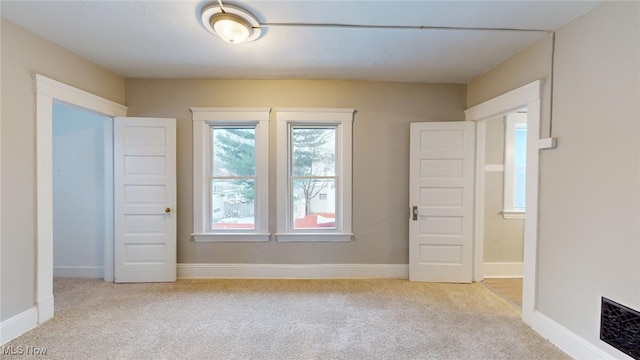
[230, 23]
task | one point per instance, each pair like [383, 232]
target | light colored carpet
[283, 319]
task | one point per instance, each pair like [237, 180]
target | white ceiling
[166, 39]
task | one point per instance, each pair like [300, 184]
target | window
[314, 174]
[233, 177]
[515, 165]
[230, 174]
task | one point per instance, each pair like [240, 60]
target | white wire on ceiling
[389, 27]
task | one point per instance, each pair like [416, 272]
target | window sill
[513, 215]
[232, 237]
[314, 237]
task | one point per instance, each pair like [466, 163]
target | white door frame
[49, 91]
[529, 96]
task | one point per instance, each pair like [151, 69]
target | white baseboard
[569, 342]
[45, 309]
[293, 271]
[93, 272]
[18, 325]
[502, 270]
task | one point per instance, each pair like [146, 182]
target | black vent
[620, 327]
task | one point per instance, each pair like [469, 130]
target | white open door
[442, 172]
[144, 199]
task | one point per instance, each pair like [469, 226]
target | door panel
[442, 171]
[144, 199]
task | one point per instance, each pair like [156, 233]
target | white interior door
[442, 172]
[144, 199]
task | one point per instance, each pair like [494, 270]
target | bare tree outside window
[233, 178]
[313, 172]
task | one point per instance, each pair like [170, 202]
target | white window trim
[511, 121]
[513, 215]
[203, 118]
[343, 119]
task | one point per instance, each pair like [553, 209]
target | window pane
[232, 204]
[234, 151]
[314, 203]
[314, 151]
[520, 166]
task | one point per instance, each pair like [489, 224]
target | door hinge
[414, 212]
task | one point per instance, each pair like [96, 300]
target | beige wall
[590, 203]
[23, 55]
[380, 157]
[589, 229]
[533, 63]
[494, 147]
[503, 238]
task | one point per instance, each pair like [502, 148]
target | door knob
[167, 210]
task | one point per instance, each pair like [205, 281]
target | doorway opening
[527, 96]
[82, 193]
[505, 201]
[50, 91]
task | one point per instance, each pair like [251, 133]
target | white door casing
[49, 91]
[529, 96]
[442, 172]
[144, 199]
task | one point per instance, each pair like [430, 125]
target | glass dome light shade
[231, 28]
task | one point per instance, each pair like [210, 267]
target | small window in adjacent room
[314, 174]
[230, 174]
[515, 165]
